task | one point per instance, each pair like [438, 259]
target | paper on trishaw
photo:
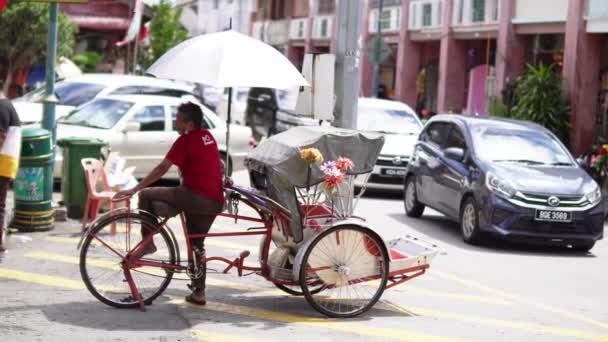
[279, 159]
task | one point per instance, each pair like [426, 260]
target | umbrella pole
[228, 132]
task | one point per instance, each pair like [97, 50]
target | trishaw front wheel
[103, 261]
[350, 263]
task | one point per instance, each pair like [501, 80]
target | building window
[427, 15]
[301, 29]
[385, 19]
[216, 4]
[479, 10]
[460, 11]
[496, 11]
[439, 13]
[324, 28]
[327, 6]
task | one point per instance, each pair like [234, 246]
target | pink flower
[344, 164]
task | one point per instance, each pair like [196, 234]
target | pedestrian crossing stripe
[382, 305]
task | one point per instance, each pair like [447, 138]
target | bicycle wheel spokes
[346, 260]
[103, 260]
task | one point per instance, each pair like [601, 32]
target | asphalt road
[496, 292]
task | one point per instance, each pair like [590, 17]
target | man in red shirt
[201, 194]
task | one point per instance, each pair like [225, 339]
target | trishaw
[311, 244]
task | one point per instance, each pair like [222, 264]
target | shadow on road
[170, 313]
[447, 231]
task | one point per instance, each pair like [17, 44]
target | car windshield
[69, 93]
[102, 113]
[497, 144]
[387, 121]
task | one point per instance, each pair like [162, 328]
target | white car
[400, 126]
[75, 91]
[141, 129]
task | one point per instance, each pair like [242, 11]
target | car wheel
[584, 247]
[469, 222]
[413, 208]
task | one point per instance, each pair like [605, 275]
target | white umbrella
[225, 60]
[228, 59]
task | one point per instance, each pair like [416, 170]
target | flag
[9, 153]
[3, 4]
[135, 25]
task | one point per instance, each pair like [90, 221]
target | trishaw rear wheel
[351, 264]
[103, 255]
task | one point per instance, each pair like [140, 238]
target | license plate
[393, 172]
[553, 216]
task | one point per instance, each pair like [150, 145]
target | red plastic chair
[94, 173]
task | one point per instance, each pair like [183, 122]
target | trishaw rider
[200, 195]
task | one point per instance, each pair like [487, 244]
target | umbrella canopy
[228, 59]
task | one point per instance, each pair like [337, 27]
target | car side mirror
[132, 126]
[455, 153]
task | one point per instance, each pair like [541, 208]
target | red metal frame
[396, 277]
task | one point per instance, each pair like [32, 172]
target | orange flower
[311, 155]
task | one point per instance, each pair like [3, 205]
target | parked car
[508, 178]
[75, 91]
[141, 129]
[400, 126]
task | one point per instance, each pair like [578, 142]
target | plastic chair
[94, 172]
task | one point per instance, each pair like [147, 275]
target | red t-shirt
[197, 156]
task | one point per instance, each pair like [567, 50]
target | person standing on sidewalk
[10, 140]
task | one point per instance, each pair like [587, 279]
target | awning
[99, 22]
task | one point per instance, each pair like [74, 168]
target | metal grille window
[385, 20]
[427, 15]
[479, 10]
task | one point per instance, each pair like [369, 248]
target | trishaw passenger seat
[163, 209]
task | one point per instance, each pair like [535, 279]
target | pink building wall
[452, 62]
[581, 84]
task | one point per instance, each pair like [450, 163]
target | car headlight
[500, 186]
[594, 196]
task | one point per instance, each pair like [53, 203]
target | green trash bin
[33, 186]
[73, 186]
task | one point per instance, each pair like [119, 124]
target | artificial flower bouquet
[335, 175]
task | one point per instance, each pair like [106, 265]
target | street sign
[370, 48]
[58, 1]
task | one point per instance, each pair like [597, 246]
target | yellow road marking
[324, 323]
[384, 305]
[217, 337]
[480, 287]
[114, 266]
[531, 327]
[215, 242]
[41, 279]
[246, 311]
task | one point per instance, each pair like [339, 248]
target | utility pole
[347, 64]
[50, 100]
[377, 47]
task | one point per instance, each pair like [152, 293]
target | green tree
[23, 36]
[165, 32]
[538, 98]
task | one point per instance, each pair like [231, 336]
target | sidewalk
[240, 177]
